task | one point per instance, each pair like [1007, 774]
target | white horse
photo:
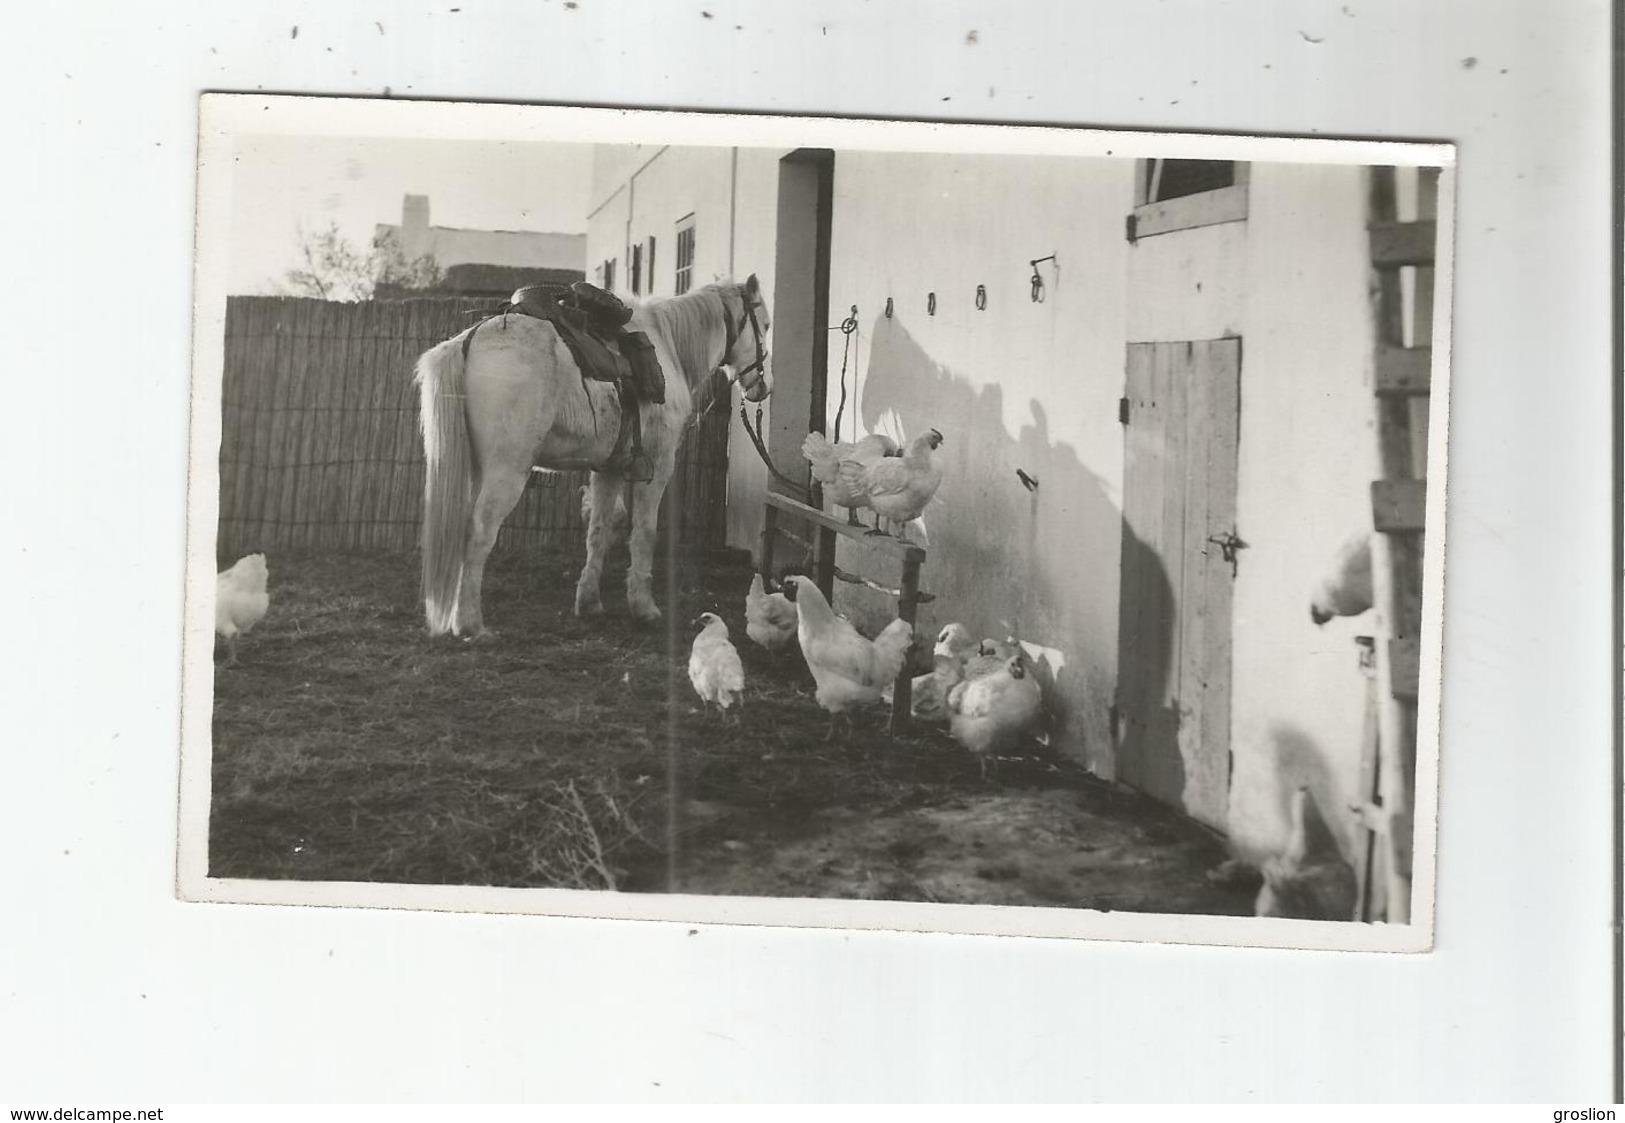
[518, 399]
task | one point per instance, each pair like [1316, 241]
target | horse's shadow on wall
[1041, 563]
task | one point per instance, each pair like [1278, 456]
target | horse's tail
[448, 482]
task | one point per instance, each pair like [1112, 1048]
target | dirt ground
[351, 746]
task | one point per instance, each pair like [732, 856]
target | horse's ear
[753, 287]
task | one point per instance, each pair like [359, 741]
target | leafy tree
[332, 268]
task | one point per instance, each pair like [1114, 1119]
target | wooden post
[826, 563]
[1365, 841]
[764, 553]
[902, 701]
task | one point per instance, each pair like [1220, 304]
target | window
[634, 268]
[649, 264]
[685, 256]
[1175, 179]
[1184, 194]
[609, 276]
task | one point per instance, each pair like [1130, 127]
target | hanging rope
[1037, 285]
[859, 579]
[847, 327]
[794, 537]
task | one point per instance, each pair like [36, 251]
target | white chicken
[929, 699]
[770, 618]
[240, 601]
[990, 655]
[1345, 590]
[827, 459]
[1309, 880]
[850, 671]
[996, 710]
[714, 667]
[898, 488]
[954, 642]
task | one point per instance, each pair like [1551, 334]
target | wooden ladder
[910, 557]
[1398, 508]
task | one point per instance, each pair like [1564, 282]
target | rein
[755, 436]
[760, 364]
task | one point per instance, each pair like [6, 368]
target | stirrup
[639, 468]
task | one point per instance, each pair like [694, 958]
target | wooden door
[1181, 411]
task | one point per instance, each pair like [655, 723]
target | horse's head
[746, 351]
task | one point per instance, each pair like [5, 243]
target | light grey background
[112, 991]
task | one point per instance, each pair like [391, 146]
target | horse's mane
[689, 323]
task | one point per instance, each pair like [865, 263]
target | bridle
[760, 363]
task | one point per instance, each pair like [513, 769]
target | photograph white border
[226, 116]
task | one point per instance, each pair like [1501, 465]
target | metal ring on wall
[930, 304]
[981, 298]
[888, 308]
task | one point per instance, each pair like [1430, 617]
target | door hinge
[1122, 411]
[1131, 228]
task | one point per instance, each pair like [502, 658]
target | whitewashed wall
[639, 191]
[1308, 456]
[643, 190]
[1020, 385]
[1036, 385]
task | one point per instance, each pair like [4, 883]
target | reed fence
[320, 449]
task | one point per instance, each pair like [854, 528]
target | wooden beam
[1399, 506]
[1404, 372]
[1402, 243]
[1210, 208]
[902, 551]
[1366, 824]
[1405, 667]
[902, 705]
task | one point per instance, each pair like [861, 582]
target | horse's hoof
[593, 607]
[645, 614]
[482, 635]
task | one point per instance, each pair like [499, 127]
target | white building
[454, 245]
[1213, 376]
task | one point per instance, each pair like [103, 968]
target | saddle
[592, 324]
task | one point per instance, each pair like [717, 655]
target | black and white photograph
[817, 522]
[762, 552]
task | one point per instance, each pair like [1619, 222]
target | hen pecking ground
[350, 746]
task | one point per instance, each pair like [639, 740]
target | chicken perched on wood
[1310, 880]
[1345, 590]
[770, 618]
[996, 710]
[827, 459]
[898, 488]
[713, 665]
[241, 601]
[929, 699]
[850, 671]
